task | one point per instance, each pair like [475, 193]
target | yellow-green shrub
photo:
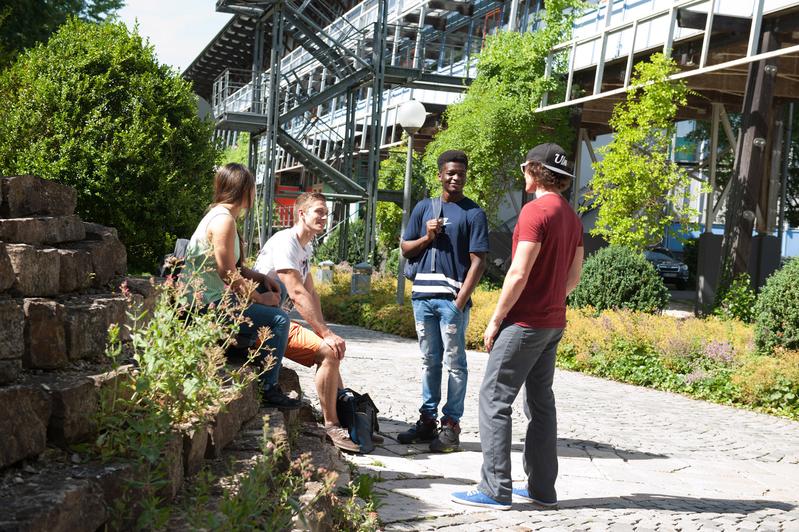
[710, 359]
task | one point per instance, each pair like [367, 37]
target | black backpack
[358, 414]
[173, 263]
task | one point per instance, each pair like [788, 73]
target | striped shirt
[465, 231]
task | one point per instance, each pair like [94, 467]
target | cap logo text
[560, 159]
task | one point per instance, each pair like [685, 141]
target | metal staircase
[319, 104]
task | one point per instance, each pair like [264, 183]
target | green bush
[329, 248]
[777, 310]
[391, 265]
[710, 359]
[738, 301]
[617, 277]
[93, 109]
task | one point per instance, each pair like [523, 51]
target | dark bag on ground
[358, 414]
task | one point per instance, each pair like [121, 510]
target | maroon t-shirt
[551, 221]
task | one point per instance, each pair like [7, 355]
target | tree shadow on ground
[673, 503]
[567, 447]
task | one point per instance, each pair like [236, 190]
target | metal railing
[234, 91]
[654, 31]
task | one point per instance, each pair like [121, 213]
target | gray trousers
[520, 356]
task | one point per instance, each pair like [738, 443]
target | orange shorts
[303, 345]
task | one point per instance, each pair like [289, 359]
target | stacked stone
[55, 310]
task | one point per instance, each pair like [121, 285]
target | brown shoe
[341, 439]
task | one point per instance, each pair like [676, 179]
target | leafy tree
[94, 110]
[638, 189]
[23, 23]
[328, 250]
[496, 122]
[238, 152]
[392, 177]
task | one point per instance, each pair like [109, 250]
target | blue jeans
[441, 329]
[278, 322]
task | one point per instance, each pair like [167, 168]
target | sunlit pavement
[630, 458]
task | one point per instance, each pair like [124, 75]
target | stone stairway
[59, 293]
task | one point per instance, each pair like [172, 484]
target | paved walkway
[630, 458]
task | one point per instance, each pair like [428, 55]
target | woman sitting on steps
[216, 242]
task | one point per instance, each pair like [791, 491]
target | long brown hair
[233, 183]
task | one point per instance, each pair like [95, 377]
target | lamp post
[411, 116]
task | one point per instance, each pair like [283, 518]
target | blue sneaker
[524, 495]
[474, 497]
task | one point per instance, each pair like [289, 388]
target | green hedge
[94, 109]
[616, 277]
[710, 359]
[777, 310]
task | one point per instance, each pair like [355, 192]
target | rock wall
[59, 293]
[57, 299]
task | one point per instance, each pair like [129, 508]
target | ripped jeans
[441, 329]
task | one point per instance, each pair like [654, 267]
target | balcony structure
[318, 85]
[736, 56]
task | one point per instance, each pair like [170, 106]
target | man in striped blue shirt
[448, 238]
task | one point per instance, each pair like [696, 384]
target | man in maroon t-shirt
[523, 334]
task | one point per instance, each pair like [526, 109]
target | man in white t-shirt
[285, 257]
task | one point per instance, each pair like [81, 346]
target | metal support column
[749, 163]
[514, 14]
[379, 65]
[786, 158]
[714, 152]
[272, 122]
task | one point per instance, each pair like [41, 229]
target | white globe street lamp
[411, 116]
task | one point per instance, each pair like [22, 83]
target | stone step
[27, 195]
[40, 271]
[50, 334]
[23, 422]
[53, 494]
[6, 270]
[63, 497]
[58, 408]
[75, 397]
[229, 419]
[12, 339]
[42, 229]
[57, 332]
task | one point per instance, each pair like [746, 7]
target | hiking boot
[425, 430]
[274, 397]
[447, 439]
[341, 439]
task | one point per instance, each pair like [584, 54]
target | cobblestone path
[630, 458]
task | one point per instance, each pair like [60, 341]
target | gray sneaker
[447, 439]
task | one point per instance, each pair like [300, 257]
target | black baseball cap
[552, 157]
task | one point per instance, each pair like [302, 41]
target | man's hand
[490, 334]
[270, 284]
[270, 299]
[336, 343]
[433, 227]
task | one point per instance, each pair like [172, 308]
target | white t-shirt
[284, 252]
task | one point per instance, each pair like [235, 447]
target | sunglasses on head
[523, 166]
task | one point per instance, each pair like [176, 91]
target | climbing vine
[496, 122]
